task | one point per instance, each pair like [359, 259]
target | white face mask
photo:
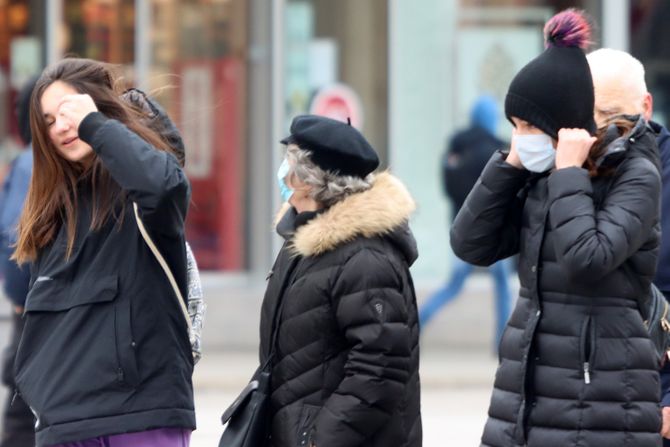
[536, 152]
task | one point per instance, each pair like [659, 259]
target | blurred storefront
[233, 73]
[193, 56]
[21, 56]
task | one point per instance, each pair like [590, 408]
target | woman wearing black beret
[345, 369]
[581, 208]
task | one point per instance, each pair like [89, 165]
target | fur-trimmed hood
[382, 210]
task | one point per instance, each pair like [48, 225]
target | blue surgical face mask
[284, 189]
[536, 152]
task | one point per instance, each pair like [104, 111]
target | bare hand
[513, 156]
[665, 428]
[573, 148]
[76, 107]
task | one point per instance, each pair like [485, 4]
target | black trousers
[18, 422]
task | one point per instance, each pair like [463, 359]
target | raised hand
[573, 147]
[75, 108]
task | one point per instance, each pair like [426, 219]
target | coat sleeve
[152, 178]
[591, 243]
[371, 312]
[488, 226]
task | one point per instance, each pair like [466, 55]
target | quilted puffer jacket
[346, 367]
[576, 365]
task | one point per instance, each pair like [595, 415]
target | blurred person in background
[105, 356]
[583, 212]
[345, 370]
[467, 153]
[620, 88]
[18, 423]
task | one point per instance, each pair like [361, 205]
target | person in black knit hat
[580, 206]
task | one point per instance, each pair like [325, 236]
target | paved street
[457, 365]
[454, 398]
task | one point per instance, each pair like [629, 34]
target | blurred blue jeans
[459, 273]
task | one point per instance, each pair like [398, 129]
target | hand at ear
[573, 148]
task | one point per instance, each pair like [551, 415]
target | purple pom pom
[569, 28]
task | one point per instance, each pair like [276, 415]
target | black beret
[335, 146]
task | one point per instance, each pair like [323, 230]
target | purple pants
[162, 437]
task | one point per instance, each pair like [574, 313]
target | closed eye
[607, 112]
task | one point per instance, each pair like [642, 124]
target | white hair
[609, 63]
[328, 187]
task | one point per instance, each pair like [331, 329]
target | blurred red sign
[338, 101]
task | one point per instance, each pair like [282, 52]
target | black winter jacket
[576, 365]
[346, 369]
[105, 348]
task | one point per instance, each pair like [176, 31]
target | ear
[648, 106]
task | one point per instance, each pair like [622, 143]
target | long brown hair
[52, 195]
[624, 125]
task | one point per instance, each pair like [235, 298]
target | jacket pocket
[72, 332]
[307, 418]
[126, 347]
[54, 295]
[587, 348]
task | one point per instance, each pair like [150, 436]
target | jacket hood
[382, 210]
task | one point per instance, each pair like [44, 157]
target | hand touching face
[64, 109]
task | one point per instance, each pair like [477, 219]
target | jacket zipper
[120, 375]
[587, 374]
[587, 348]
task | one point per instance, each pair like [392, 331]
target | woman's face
[62, 132]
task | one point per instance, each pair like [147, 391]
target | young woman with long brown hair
[105, 357]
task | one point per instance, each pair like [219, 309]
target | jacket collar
[381, 210]
[617, 145]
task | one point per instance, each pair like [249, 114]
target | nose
[62, 124]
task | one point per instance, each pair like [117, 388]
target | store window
[100, 29]
[198, 72]
[21, 57]
[336, 63]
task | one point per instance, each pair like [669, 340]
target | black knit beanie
[555, 90]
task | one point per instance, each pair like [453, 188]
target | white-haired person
[339, 323]
[620, 88]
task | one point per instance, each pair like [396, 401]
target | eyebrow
[608, 110]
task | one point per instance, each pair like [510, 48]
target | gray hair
[328, 187]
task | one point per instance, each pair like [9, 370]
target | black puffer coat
[346, 371]
[576, 365]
